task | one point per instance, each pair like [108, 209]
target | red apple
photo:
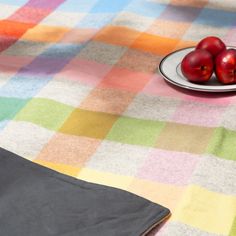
[212, 44]
[197, 66]
[225, 68]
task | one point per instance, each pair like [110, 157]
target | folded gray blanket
[37, 201]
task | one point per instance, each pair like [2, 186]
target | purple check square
[45, 66]
[180, 13]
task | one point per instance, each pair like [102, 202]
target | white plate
[170, 69]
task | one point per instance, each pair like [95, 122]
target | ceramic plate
[170, 69]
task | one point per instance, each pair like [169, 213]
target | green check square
[10, 106]
[233, 228]
[223, 144]
[45, 112]
[135, 131]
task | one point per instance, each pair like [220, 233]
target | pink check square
[169, 167]
[192, 113]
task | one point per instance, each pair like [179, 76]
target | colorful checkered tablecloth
[80, 93]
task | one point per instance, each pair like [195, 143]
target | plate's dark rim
[185, 86]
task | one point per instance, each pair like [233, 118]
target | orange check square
[117, 35]
[43, 33]
[155, 44]
[107, 100]
[124, 79]
[68, 150]
[13, 28]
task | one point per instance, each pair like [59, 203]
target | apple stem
[203, 67]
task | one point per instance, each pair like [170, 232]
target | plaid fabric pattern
[80, 93]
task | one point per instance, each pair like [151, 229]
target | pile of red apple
[209, 56]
